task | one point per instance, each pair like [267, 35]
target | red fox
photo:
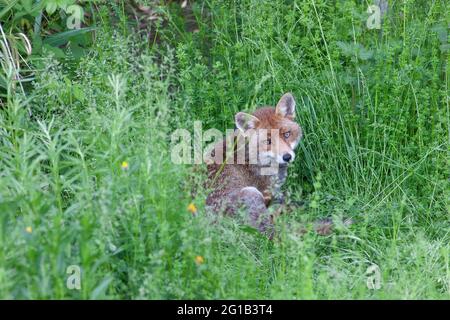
[249, 184]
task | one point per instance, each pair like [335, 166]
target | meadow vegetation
[86, 177]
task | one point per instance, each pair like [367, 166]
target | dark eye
[268, 141]
[287, 134]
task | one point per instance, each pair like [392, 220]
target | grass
[374, 108]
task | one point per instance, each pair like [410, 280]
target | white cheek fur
[266, 157]
[294, 144]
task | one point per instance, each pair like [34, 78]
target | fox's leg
[254, 202]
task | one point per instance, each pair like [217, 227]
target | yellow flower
[192, 208]
[124, 165]
[199, 260]
[29, 229]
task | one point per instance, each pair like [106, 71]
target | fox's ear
[245, 121]
[286, 106]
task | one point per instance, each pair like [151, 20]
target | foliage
[34, 27]
[87, 179]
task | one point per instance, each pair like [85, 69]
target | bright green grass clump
[87, 180]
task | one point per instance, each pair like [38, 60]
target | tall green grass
[374, 108]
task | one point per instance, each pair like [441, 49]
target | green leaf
[3, 82]
[7, 8]
[27, 5]
[346, 48]
[78, 93]
[55, 50]
[51, 7]
[249, 229]
[62, 37]
[100, 290]
[364, 54]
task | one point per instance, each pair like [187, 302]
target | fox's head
[273, 130]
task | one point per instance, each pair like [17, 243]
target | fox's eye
[268, 141]
[287, 134]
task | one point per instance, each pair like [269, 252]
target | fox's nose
[287, 157]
